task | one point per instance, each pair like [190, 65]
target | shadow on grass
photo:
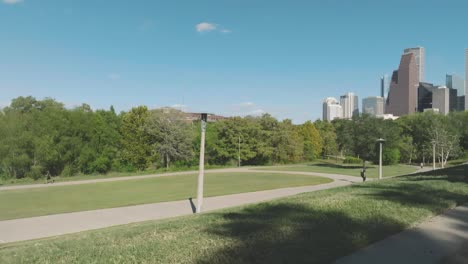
[415, 195]
[337, 166]
[292, 233]
[451, 174]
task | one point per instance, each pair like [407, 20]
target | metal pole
[239, 153]
[201, 167]
[433, 156]
[380, 162]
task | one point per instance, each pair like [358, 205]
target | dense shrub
[352, 160]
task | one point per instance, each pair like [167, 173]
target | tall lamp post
[201, 174]
[239, 153]
[380, 141]
[433, 155]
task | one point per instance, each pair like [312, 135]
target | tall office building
[403, 95]
[419, 55]
[456, 83]
[373, 105]
[382, 86]
[425, 91]
[441, 99]
[350, 104]
[453, 81]
[466, 79]
[331, 109]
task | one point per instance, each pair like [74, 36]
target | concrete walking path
[427, 243]
[59, 224]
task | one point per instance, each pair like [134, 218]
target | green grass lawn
[23, 181]
[60, 199]
[316, 227]
[345, 169]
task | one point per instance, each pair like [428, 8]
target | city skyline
[229, 59]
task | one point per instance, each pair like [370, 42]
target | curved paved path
[59, 224]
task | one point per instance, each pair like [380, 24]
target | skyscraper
[441, 99]
[453, 81]
[350, 104]
[419, 55]
[402, 97]
[466, 79]
[382, 86]
[373, 105]
[331, 109]
[457, 84]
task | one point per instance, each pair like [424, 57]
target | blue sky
[245, 56]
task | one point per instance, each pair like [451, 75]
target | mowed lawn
[61, 199]
[344, 169]
[317, 227]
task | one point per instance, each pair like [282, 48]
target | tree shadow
[291, 233]
[416, 195]
[337, 166]
[451, 174]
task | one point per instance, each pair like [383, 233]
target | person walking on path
[363, 175]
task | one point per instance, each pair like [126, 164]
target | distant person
[363, 175]
[49, 178]
[422, 165]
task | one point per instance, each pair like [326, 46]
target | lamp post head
[380, 140]
[204, 117]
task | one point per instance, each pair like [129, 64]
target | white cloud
[12, 2]
[247, 109]
[205, 27]
[208, 27]
[113, 76]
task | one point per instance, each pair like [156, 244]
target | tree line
[40, 137]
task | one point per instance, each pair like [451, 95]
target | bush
[390, 156]
[36, 172]
[352, 160]
[68, 171]
[101, 165]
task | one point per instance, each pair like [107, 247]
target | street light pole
[381, 141]
[239, 153]
[201, 173]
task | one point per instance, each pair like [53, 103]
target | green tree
[136, 145]
[313, 144]
[328, 135]
[169, 135]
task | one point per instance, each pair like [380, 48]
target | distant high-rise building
[441, 99]
[458, 84]
[466, 79]
[350, 104]
[419, 55]
[402, 98]
[436, 98]
[425, 91]
[331, 109]
[382, 86]
[373, 105]
[453, 81]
